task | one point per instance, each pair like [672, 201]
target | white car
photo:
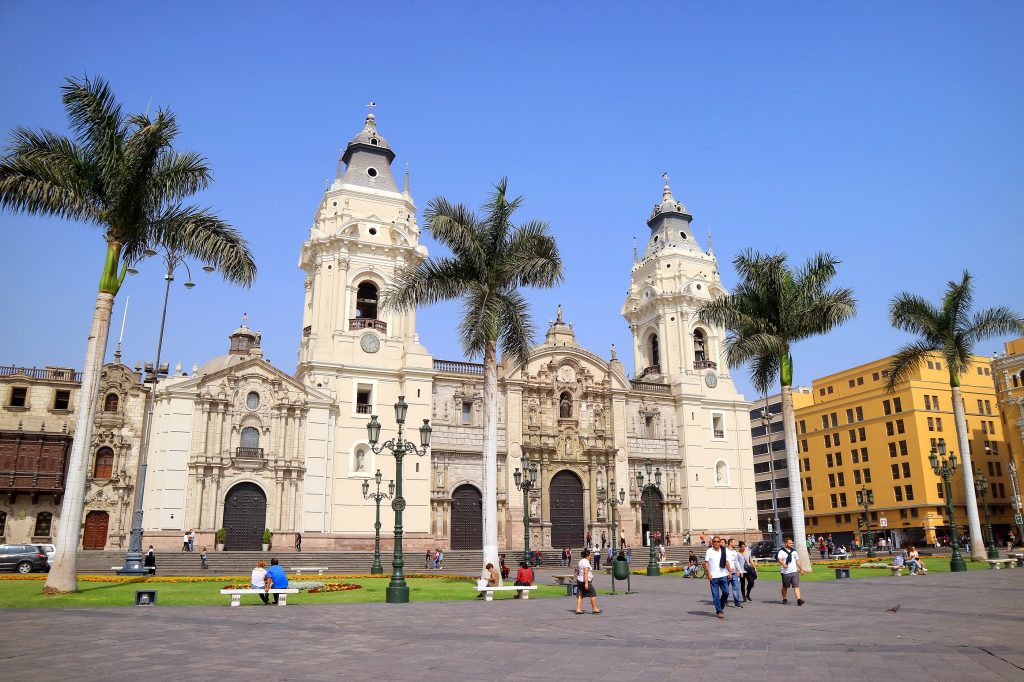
[51, 552]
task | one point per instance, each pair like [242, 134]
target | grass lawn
[934, 565]
[28, 593]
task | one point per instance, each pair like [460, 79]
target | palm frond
[94, 116]
[823, 312]
[906, 361]
[958, 301]
[455, 226]
[481, 318]
[203, 236]
[743, 346]
[181, 174]
[47, 174]
[764, 372]
[531, 257]
[516, 327]
[433, 281]
[498, 210]
[992, 322]
[916, 315]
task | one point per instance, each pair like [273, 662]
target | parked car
[762, 549]
[51, 552]
[23, 558]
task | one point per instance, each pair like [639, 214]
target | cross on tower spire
[370, 106]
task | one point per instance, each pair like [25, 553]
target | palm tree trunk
[490, 455]
[796, 500]
[63, 576]
[967, 471]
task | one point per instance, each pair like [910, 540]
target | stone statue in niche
[440, 478]
[534, 507]
[360, 460]
[533, 416]
[568, 446]
[565, 408]
[599, 419]
[720, 473]
[672, 482]
[600, 478]
[600, 510]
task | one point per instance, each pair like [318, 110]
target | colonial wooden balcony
[33, 463]
[357, 323]
[705, 364]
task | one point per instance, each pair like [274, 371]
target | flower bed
[335, 587]
[216, 579]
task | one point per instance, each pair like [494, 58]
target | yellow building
[1008, 374]
[856, 435]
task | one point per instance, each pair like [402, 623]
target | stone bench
[299, 570]
[994, 563]
[668, 564]
[896, 570]
[236, 594]
[488, 592]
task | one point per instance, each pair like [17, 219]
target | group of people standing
[435, 559]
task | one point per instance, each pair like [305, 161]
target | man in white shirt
[735, 561]
[789, 564]
[718, 570]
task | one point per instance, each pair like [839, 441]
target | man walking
[736, 569]
[790, 568]
[716, 566]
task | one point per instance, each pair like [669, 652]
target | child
[202, 558]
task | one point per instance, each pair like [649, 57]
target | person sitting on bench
[524, 576]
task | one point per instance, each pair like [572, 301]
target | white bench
[994, 563]
[669, 564]
[565, 579]
[236, 595]
[762, 560]
[299, 570]
[896, 570]
[524, 591]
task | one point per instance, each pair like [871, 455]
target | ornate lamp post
[133, 557]
[614, 503]
[398, 591]
[650, 488]
[766, 421]
[981, 485]
[377, 569]
[946, 468]
[526, 480]
[866, 499]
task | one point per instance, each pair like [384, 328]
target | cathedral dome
[668, 205]
[368, 139]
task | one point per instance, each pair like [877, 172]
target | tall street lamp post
[981, 485]
[766, 421]
[398, 591]
[946, 468]
[377, 569]
[526, 480]
[614, 504]
[866, 499]
[650, 488]
[133, 557]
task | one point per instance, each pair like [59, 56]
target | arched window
[366, 301]
[250, 437]
[104, 466]
[252, 401]
[655, 351]
[44, 521]
[699, 347]
[3, 524]
[111, 402]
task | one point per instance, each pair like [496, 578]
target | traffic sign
[883, 522]
[770, 525]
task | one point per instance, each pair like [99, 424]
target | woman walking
[749, 575]
[585, 584]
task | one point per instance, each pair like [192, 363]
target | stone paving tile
[950, 626]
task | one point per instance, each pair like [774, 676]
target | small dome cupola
[366, 160]
[243, 339]
[670, 224]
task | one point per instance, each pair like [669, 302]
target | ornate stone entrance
[95, 536]
[245, 517]
[566, 505]
[658, 507]
[467, 521]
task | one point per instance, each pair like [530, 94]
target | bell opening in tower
[366, 301]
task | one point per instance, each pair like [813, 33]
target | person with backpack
[789, 563]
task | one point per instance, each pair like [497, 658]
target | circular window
[373, 230]
[698, 286]
[669, 265]
[683, 235]
[372, 172]
[252, 401]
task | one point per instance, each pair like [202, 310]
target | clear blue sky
[888, 133]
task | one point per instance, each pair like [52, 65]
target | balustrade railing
[46, 374]
[248, 453]
[457, 367]
[366, 323]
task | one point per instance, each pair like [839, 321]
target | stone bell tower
[364, 231]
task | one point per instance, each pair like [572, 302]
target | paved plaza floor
[966, 626]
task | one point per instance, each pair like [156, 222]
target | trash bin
[1020, 560]
[620, 567]
[842, 573]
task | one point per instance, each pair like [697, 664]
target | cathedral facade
[241, 445]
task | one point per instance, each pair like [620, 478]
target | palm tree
[491, 260]
[119, 173]
[951, 331]
[771, 309]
